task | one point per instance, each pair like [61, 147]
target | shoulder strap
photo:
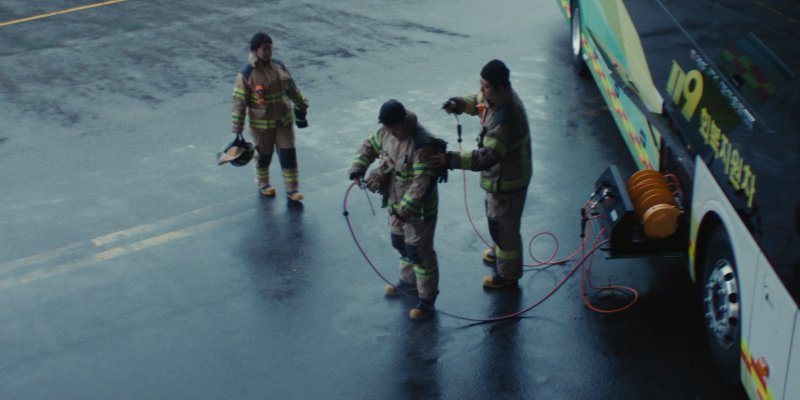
[279, 62]
[500, 114]
[246, 70]
[423, 138]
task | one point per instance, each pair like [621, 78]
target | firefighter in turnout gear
[408, 182]
[503, 158]
[265, 88]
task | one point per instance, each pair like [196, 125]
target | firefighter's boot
[288, 160]
[498, 282]
[423, 310]
[489, 256]
[266, 190]
[399, 288]
[294, 195]
[262, 180]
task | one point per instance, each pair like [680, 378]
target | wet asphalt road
[132, 266]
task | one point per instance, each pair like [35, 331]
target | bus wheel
[721, 305]
[577, 48]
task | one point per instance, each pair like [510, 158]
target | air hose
[517, 314]
[585, 273]
[585, 255]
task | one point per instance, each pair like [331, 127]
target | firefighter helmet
[238, 153]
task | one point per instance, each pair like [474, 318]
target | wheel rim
[576, 33]
[722, 304]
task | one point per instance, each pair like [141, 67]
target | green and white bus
[706, 94]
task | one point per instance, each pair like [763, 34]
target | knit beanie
[496, 73]
[392, 113]
[259, 39]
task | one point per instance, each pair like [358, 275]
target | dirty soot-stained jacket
[408, 177]
[504, 146]
[266, 90]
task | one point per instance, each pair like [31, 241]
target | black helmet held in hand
[238, 153]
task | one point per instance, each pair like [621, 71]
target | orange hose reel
[653, 203]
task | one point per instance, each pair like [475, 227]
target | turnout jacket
[504, 146]
[407, 176]
[266, 90]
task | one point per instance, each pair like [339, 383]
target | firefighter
[265, 88]
[503, 158]
[407, 180]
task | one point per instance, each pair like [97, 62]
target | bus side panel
[647, 141]
[709, 198]
[709, 59]
[631, 123]
[564, 6]
[768, 311]
[771, 327]
[792, 390]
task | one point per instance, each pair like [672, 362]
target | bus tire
[578, 64]
[721, 305]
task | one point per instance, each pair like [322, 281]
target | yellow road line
[38, 258]
[146, 228]
[35, 275]
[104, 240]
[69, 10]
[147, 243]
[46, 272]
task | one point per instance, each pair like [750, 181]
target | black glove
[356, 175]
[443, 175]
[454, 105]
[300, 118]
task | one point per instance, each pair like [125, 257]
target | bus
[705, 95]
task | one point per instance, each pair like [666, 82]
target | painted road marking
[39, 258]
[170, 236]
[38, 269]
[69, 10]
[46, 272]
[146, 228]
[104, 240]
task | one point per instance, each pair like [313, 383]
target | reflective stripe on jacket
[266, 90]
[410, 177]
[504, 147]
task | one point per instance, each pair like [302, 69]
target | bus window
[755, 71]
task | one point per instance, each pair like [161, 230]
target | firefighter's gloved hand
[454, 105]
[396, 221]
[356, 177]
[440, 160]
[375, 182]
[443, 175]
[300, 118]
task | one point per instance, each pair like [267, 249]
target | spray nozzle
[458, 124]
[363, 185]
[584, 219]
